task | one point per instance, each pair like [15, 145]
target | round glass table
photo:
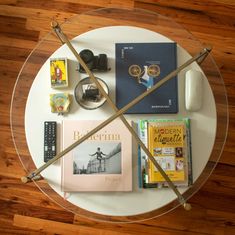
[99, 30]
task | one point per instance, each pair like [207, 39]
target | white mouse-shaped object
[193, 90]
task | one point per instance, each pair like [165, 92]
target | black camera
[91, 93]
[94, 63]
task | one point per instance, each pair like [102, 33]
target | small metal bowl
[89, 102]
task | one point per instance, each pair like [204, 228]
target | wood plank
[57, 6]
[7, 207]
[53, 227]
[3, 2]
[31, 13]
[202, 224]
[15, 27]
[215, 6]
[218, 24]
[102, 3]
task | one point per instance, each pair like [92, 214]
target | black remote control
[49, 140]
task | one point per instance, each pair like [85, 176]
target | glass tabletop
[101, 29]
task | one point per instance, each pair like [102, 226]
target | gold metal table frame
[101, 18]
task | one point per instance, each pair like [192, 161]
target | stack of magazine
[169, 141]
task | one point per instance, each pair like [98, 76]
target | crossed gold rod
[119, 113]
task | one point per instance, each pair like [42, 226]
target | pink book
[103, 162]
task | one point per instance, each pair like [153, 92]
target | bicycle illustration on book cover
[146, 76]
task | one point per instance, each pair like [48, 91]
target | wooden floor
[26, 210]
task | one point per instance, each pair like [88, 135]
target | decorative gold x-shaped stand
[118, 113]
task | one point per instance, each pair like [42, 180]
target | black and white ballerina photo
[97, 158]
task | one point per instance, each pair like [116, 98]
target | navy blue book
[138, 67]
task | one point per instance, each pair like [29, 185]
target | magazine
[165, 155]
[139, 66]
[103, 162]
